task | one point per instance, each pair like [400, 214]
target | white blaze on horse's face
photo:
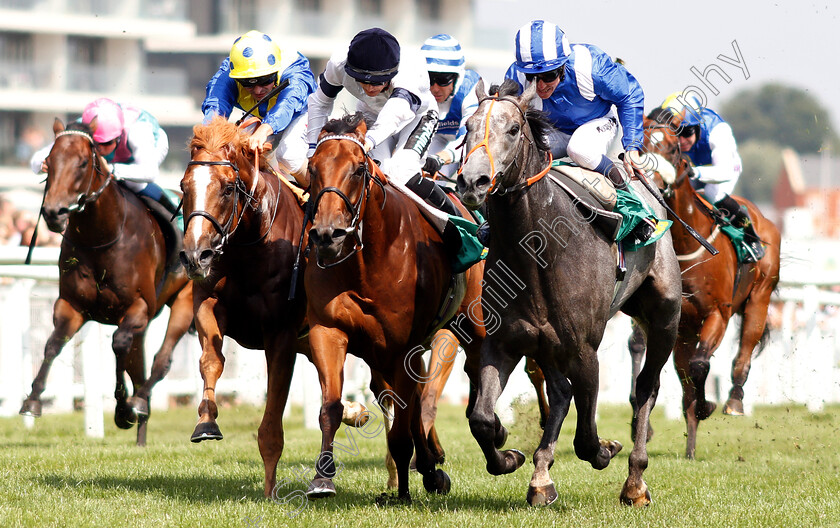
[202, 176]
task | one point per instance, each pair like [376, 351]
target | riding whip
[274, 91]
[703, 242]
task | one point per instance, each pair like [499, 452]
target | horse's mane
[222, 135]
[537, 119]
[343, 125]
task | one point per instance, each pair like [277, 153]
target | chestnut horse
[714, 287]
[570, 289]
[241, 238]
[375, 283]
[115, 269]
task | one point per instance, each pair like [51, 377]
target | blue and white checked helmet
[443, 55]
[540, 47]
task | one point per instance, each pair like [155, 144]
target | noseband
[356, 210]
[495, 185]
[668, 191]
[238, 188]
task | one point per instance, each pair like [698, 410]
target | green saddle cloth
[736, 234]
[634, 210]
[471, 251]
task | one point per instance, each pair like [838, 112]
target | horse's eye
[514, 130]
[228, 190]
[359, 172]
[84, 163]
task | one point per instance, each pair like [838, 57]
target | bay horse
[714, 287]
[375, 281]
[115, 269]
[567, 268]
[241, 238]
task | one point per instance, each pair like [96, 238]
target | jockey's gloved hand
[690, 167]
[432, 164]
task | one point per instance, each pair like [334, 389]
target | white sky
[792, 42]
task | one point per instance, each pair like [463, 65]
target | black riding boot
[739, 216]
[432, 193]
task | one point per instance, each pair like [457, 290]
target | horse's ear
[527, 96]
[480, 93]
[93, 124]
[361, 128]
[58, 126]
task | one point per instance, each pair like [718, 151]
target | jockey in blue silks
[585, 94]
[255, 66]
[454, 89]
[708, 141]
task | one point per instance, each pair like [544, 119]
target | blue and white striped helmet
[443, 55]
[540, 47]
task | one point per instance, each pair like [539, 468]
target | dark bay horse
[115, 270]
[241, 237]
[714, 287]
[375, 281]
[567, 268]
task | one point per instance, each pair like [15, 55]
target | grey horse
[562, 287]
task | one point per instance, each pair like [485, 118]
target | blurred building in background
[58, 55]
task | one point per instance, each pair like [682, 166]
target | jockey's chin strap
[357, 209]
[495, 185]
[87, 197]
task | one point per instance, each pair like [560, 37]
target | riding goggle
[546, 77]
[371, 83]
[688, 131]
[442, 79]
[265, 80]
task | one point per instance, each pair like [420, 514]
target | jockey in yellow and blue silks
[256, 65]
[710, 144]
[585, 94]
[132, 142]
[454, 89]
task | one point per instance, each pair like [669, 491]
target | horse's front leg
[180, 318]
[541, 490]
[209, 318]
[636, 346]
[280, 361]
[329, 349]
[66, 321]
[135, 366]
[496, 366]
[128, 349]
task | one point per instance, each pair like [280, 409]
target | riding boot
[739, 216]
[432, 193]
[171, 207]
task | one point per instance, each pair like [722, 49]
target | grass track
[777, 468]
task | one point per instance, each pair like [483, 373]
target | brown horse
[714, 287]
[376, 281]
[241, 238]
[115, 269]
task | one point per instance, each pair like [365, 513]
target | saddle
[173, 235]
[593, 194]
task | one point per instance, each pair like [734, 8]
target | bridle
[496, 187]
[239, 190]
[668, 191]
[356, 210]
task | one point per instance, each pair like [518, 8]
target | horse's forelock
[346, 124]
[221, 135]
[507, 88]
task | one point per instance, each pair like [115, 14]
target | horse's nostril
[182, 256]
[339, 233]
[483, 181]
[206, 256]
[314, 237]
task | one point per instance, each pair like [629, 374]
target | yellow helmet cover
[254, 54]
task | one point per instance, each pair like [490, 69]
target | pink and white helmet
[109, 119]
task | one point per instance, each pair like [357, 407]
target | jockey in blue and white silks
[256, 65]
[454, 89]
[585, 94]
[710, 144]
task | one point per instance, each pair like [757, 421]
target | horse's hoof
[514, 459]
[206, 431]
[613, 446]
[320, 488]
[639, 499]
[124, 416]
[31, 408]
[734, 407]
[388, 499]
[542, 495]
[501, 437]
[139, 405]
[704, 411]
[354, 414]
[437, 482]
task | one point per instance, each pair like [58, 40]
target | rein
[495, 185]
[356, 210]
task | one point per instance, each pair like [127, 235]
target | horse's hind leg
[752, 329]
[270, 437]
[67, 322]
[541, 490]
[636, 345]
[538, 381]
[496, 366]
[682, 355]
[444, 349]
[180, 318]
